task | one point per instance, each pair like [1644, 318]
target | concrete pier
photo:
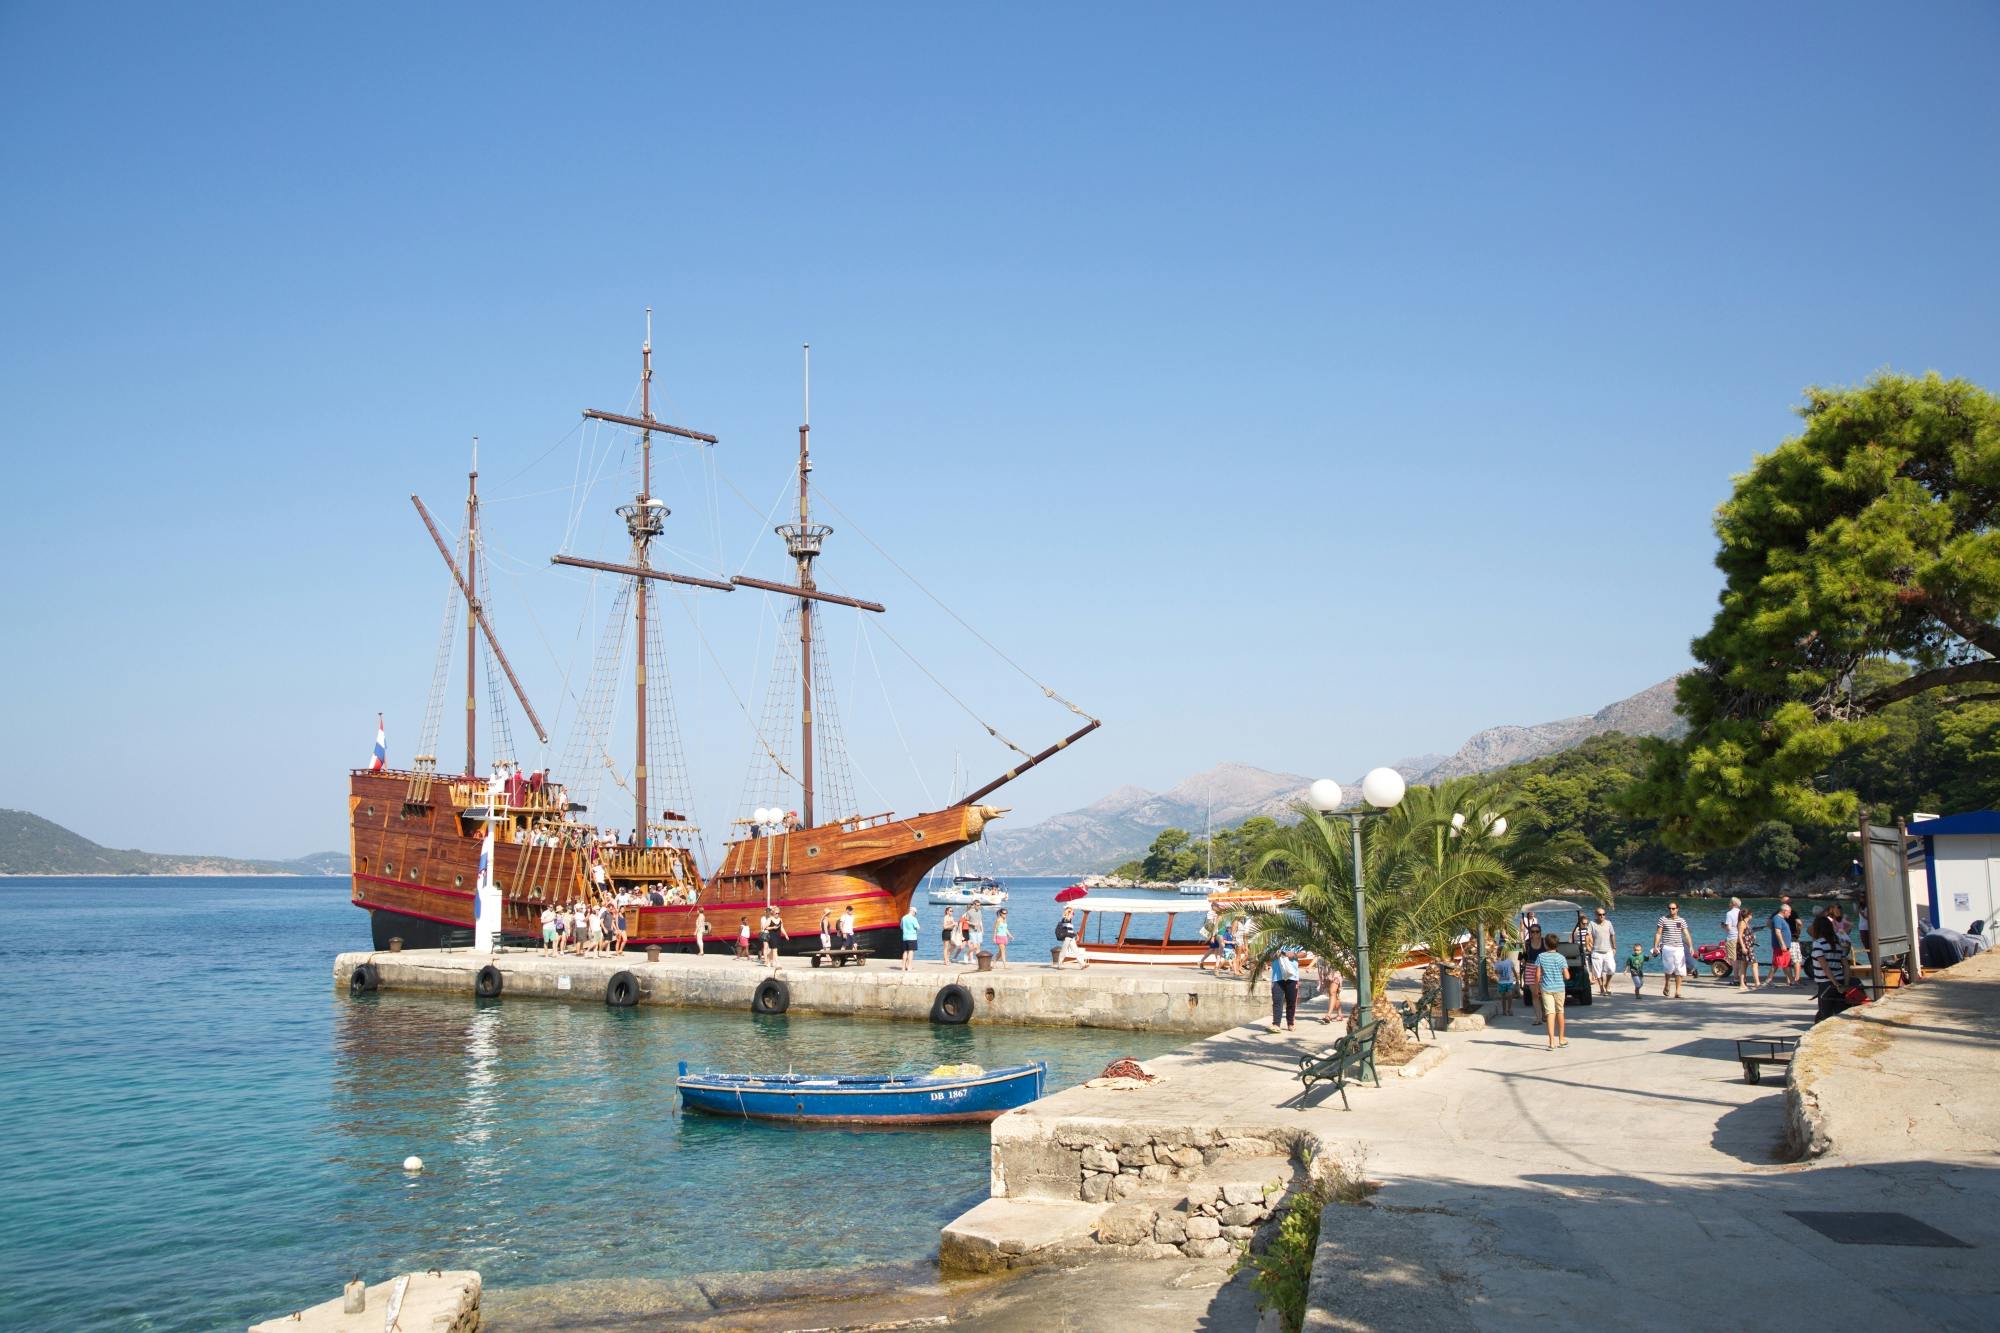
[1133, 998]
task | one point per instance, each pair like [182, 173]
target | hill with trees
[31, 845]
[1927, 753]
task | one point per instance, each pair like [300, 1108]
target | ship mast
[472, 612]
[644, 519]
[803, 540]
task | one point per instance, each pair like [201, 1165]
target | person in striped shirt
[1829, 968]
[1553, 970]
[1674, 943]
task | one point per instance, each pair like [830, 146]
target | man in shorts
[910, 928]
[1553, 972]
[1603, 951]
[1674, 943]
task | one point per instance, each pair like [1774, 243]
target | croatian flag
[381, 747]
[486, 899]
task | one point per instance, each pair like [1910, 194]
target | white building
[1957, 883]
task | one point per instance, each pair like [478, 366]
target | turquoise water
[202, 1132]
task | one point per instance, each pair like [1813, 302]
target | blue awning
[1976, 821]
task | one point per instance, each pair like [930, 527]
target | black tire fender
[366, 977]
[952, 1006]
[489, 983]
[622, 991]
[772, 996]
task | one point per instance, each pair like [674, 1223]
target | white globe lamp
[1383, 788]
[1497, 827]
[1325, 796]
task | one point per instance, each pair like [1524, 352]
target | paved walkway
[1632, 1179]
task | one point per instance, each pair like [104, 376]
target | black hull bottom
[421, 933]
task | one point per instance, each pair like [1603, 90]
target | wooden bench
[1424, 1010]
[1353, 1056]
[1756, 1052]
[839, 957]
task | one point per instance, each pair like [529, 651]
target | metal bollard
[354, 1297]
[985, 961]
[652, 953]
[395, 944]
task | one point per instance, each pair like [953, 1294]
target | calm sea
[201, 1132]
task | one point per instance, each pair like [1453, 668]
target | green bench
[1424, 1010]
[1353, 1056]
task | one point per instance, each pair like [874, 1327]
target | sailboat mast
[642, 536]
[804, 554]
[472, 612]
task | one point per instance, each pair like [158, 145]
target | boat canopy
[1140, 906]
[1552, 907]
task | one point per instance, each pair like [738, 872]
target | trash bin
[1454, 992]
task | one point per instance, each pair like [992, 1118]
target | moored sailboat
[416, 833]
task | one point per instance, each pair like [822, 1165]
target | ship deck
[1133, 997]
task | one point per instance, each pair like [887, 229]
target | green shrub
[1284, 1269]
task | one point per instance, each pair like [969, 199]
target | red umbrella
[1072, 893]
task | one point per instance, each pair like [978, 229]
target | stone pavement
[1635, 1178]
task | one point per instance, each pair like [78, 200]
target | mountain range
[31, 845]
[1123, 824]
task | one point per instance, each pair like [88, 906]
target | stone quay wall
[1138, 999]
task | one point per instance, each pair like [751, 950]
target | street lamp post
[1383, 789]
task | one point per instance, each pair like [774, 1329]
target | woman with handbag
[1829, 968]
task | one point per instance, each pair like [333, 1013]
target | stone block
[1242, 1214]
[1126, 1224]
[1123, 1186]
[1238, 1234]
[1136, 1155]
[1207, 1249]
[1095, 1158]
[1156, 1174]
[1243, 1191]
[1205, 1192]
[432, 1303]
[1170, 1228]
[1203, 1228]
[1187, 1157]
[1096, 1187]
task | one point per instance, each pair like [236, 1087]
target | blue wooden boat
[881, 1099]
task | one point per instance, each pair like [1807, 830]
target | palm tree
[1477, 856]
[1430, 873]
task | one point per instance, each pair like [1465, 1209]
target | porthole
[918, 835]
[458, 881]
[413, 873]
[388, 867]
[812, 851]
[371, 812]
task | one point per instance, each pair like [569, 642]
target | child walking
[1635, 967]
[1503, 974]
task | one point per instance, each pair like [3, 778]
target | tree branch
[1977, 633]
[1984, 673]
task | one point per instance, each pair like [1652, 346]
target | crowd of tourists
[1819, 952]
[585, 928]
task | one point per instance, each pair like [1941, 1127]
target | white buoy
[413, 1164]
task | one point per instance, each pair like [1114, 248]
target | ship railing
[478, 794]
[661, 863]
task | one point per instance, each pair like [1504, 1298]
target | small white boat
[1202, 888]
[970, 891]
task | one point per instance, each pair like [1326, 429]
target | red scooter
[1717, 959]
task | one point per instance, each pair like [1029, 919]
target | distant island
[31, 845]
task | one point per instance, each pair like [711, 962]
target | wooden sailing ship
[417, 834]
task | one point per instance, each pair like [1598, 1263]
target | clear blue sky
[1303, 385]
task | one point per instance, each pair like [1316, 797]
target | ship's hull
[416, 865]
